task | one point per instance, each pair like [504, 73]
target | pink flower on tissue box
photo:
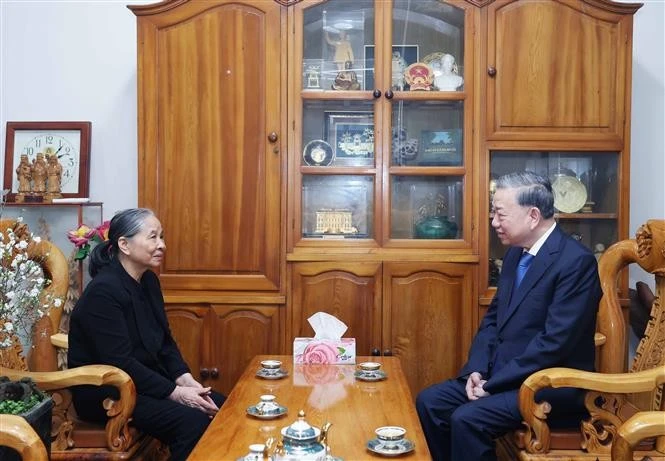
[334, 351]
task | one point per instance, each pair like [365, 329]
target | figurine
[445, 74]
[398, 67]
[24, 175]
[598, 250]
[39, 175]
[343, 50]
[346, 79]
[313, 80]
[54, 179]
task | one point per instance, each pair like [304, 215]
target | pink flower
[80, 236]
[319, 352]
[103, 230]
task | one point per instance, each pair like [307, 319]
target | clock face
[64, 144]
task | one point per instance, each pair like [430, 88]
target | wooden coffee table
[326, 393]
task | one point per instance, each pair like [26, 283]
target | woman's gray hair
[126, 223]
[534, 190]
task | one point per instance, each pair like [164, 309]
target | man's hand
[474, 386]
[195, 397]
[186, 379]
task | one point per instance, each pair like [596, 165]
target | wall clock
[68, 141]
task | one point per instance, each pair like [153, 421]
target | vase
[39, 417]
[436, 227]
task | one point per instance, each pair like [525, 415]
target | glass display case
[585, 186]
[52, 222]
[382, 115]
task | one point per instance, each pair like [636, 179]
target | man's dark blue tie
[525, 262]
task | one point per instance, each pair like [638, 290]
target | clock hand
[56, 152]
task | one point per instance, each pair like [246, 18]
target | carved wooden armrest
[640, 426]
[16, 433]
[119, 412]
[537, 437]
[60, 340]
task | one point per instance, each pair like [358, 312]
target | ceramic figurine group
[39, 181]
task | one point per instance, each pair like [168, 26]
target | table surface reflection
[326, 393]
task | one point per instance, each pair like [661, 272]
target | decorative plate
[436, 56]
[399, 448]
[569, 194]
[318, 153]
[279, 374]
[377, 375]
[253, 411]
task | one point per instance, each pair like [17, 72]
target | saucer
[377, 375]
[279, 374]
[253, 411]
[399, 448]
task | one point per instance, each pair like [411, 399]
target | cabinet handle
[491, 71]
[387, 352]
[205, 373]
[376, 352]
[214, 373]
[389, 94]
[272, 137]
[377, 94]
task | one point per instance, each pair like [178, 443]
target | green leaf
[82, 252]
[341, 350]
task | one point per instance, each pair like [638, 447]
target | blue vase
[436, 227]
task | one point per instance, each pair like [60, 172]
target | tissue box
[336, 351]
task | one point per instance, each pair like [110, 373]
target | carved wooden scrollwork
[600, 429]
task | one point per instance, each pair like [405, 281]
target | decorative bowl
[369, 366]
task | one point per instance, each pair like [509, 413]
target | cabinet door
[428, 319]
[210, 139]
[556, 67]
[237, 333]
[349, 291]
[187, 323]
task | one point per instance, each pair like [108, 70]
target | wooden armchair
[16, 433]
[73, 438]
[614, 395]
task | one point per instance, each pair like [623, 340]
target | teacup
[267, 404]
[390, 435]
[271, 366]
[370, 367]
[255, 453]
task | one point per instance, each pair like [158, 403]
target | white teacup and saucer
[271, 369]
[267, 408]
[390, 441]
[370, 371]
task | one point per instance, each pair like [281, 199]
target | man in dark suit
[545, 319]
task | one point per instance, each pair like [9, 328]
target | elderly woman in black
[120, 320]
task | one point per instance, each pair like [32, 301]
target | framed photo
[351, 134]
[402, 57]
[31, 145]
[440, 147]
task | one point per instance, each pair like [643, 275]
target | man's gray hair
[534, 190]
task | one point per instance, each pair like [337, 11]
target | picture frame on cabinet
[68, 141]
[352, 136]
[440, 147]
[402, 56]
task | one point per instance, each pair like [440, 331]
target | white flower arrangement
[22, 283]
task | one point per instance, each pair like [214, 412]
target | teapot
[302, 442]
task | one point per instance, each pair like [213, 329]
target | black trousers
[459, 429]
[178, 426]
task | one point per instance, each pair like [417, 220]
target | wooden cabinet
[338, 156]
[212, 144]
[420, 312]
[218, 341]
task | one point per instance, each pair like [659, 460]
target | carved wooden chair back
[74, 439]
[609, 407]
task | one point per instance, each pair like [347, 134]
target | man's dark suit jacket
[121, 322]
[548, 321]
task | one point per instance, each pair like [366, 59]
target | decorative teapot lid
[300, 430]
